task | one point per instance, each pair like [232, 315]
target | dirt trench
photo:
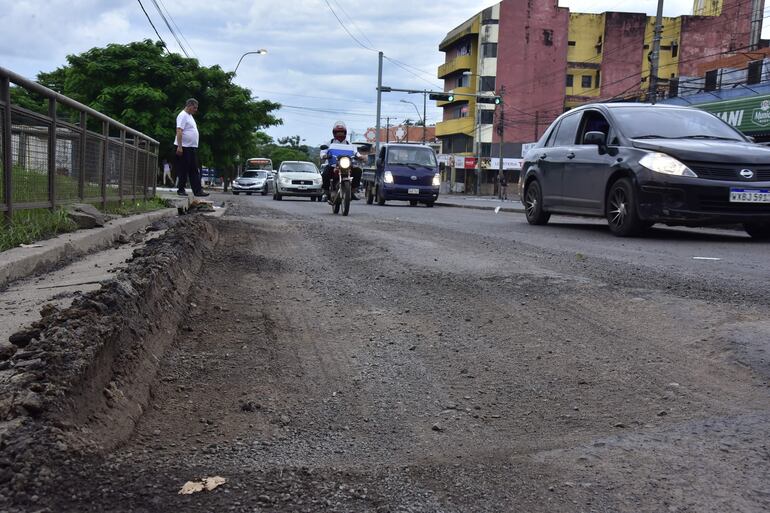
[323, 365]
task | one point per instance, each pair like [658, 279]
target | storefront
[750, 115]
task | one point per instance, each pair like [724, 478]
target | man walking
[186, 142]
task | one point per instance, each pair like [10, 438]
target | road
[407, 359]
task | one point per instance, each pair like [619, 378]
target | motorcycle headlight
[387, 177]
[344, 162]
[436, 180]
[662, 163]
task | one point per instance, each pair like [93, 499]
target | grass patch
[28, 226]
[131, 207]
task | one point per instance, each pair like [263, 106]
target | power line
[177, 28]
[153, 26]
[163, 17]
[352, 22]
[346, 29]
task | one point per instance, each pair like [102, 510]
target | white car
[254, 181]
[298, 178]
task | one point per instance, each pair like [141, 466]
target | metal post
[122, 165]
[379, 107]
[5, 97]
[387, 130]
[424, 109]
[500, 132]
[136, 168]
[655, 56]
[477, 149]
[82, 159]
[105, 150]
[52, 153]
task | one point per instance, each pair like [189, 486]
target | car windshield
[412, 156]
[299, 167]
[254, 174]
[652, 123]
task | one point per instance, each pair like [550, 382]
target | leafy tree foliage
[287, 148]
[143, 87]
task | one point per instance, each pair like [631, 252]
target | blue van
[404, 172]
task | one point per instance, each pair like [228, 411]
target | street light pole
[261, 51]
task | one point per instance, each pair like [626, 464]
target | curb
[518, 210]
[19, 263]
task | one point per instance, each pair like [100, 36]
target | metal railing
[54, 158]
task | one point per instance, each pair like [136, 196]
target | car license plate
[414, 191]
[749, 196]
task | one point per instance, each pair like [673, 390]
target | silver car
[254, 181]
[298, 178]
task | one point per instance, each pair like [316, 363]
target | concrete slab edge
[19, 263]
[481, 207]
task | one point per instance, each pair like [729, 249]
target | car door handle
[570, 155]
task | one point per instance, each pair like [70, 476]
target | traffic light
[442, 97]
[497, 100]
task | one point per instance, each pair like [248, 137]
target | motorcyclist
[340, 133]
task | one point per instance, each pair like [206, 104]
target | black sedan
[641, 164]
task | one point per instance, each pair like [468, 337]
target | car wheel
[533, 204]
[622, 215]
[235, 193]
[412, 203]
[264, 191]
[758, 231]
[429, 204]
[380, 197]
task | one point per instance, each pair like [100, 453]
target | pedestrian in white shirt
[186, 142]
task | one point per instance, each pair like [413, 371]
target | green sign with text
[749, 115]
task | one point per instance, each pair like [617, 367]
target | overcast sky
[314, 68]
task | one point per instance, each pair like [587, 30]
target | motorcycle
[340, 157]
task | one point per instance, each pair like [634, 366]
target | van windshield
[414, 156]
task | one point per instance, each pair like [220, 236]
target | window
[674, 49]
[486, 17]
[597, 79]
[570, 43]
[548, 37]
[586, 81]
[593, 121]
[463, 81]
[487, 84]
[570, 80]
[489, 49]
[486, 116]
[485, 149]
[565, 134]
[711, 80]
[754, 72]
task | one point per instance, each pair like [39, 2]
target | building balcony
[455, 126]
[461, 63]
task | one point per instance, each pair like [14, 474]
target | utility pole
[655, 55]
[424, 108]
[387, 131]
[379, 108]
[501, 133]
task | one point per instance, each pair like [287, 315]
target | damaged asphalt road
[387, 364]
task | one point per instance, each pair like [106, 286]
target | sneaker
[181, 193]
[202, 195]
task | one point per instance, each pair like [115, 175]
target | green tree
[143, 87]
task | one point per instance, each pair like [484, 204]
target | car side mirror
[324, 147]
[441, 166]
[595, 138]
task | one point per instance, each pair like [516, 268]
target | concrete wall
[531, 71]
